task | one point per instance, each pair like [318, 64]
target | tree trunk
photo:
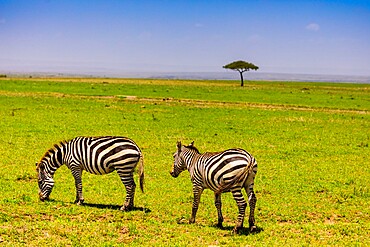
[241, 79]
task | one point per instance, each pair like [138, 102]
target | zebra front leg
[77, 174]
[242, 204]
[197, 191]
[129, 183]
[218, 205]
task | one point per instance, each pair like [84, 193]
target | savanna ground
[311, 141]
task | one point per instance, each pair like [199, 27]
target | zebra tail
[141, 172]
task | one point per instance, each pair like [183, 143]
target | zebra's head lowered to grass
[46, 168]
[45, 181]
[179, 164]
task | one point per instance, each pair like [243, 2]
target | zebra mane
[51, 150]
[193, 148]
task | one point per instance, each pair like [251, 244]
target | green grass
[311, 141]
[341, 96]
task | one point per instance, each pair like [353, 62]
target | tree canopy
[241, 67]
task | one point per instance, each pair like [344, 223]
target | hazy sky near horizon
[313, 37]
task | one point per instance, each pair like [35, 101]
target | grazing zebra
[97, 155]
[227, 171]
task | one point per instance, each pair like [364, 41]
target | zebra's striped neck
[190, 157]
[54, 158]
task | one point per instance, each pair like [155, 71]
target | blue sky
[311, 37]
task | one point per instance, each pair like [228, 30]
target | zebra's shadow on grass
[114, 207]
[244, 231]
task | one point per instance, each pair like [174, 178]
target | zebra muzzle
[42, 197]
[173, 174]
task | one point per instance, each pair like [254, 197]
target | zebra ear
[192, 144]
[178, 145]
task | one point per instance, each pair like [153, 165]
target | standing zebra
[227, 171]
[97, 155]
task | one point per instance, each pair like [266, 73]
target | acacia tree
[241, 67]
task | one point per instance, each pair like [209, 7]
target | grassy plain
[311, 141]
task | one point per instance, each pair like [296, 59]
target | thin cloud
[313, 27]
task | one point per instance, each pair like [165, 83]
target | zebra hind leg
[252, 199]
[218, 205]
[129, 201]
[242, 204]
[129, 183]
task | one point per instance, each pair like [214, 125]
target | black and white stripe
[227, 171]
[97, 155]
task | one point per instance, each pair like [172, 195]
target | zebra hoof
[236, 230]
[252, 229]
[126, 208]
[79, 202]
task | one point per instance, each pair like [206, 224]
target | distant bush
[2, 76]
